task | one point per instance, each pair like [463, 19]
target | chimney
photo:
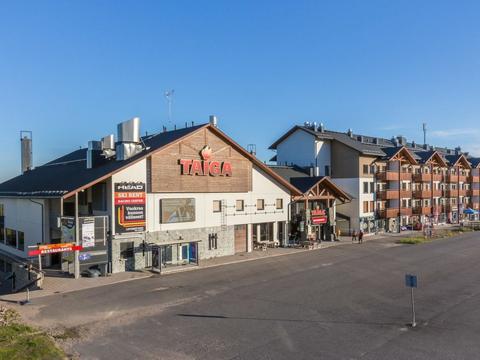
[321, 128]
[94, 153]
[458, 150]
[213, 120]
[252, 149]
[26, 150]
[350, 132]
[108, 146]
[128, 144]
[375, 141]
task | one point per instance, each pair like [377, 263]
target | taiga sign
[205, 167]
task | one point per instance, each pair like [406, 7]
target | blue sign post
[411, 282]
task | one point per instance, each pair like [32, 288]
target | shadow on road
[293, 320]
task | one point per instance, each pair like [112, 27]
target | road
[346, 302]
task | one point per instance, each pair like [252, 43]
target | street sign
[319, 220]
[411, 280]
[54, 248]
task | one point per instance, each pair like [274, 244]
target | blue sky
[71, 70]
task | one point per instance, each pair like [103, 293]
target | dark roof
[424, 156]
[317, 134]
[354, 143]
[287, 172]
[305, 183]
[474, 161]
[69, 172]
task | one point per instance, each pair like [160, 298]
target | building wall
[26, 216]
[299, 148]
[345, 161]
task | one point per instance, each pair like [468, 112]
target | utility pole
[169, 96]
[424, 126]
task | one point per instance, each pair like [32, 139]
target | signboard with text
[54, 248]
[130, 200]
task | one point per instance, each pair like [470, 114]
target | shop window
[11, 237]
[239, 205]
[217, 206]
[212, 241]
[20, 240]
[266, 232]
[279, 204]
[260, 204]
[254, 232]
[126, 250]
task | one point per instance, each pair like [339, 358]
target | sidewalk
[60, 285]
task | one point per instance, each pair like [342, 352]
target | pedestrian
[339, 232]
[360, 237]
[354, 235]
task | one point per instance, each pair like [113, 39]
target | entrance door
[240, 238]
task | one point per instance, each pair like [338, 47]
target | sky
[70, 71]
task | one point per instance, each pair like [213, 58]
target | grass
[438, 234]
[20, 341]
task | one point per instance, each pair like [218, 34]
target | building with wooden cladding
[393, 182]
[169, 199]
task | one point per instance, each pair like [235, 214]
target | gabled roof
[302, 128]
[426, 157]
[454, 160]
[394, 152]
[68, 174]
[475, 162]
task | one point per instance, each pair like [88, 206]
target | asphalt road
[346, 302]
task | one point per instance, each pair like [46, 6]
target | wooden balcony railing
[393, 212]
[437, 193]
[422, 177]
[422, 194]
[390, 175]
[437, 177]
[422, 210]
[451, 178]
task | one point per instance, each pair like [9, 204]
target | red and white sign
[319, 220]
[319, 212]
[54, 248]
[205, 167]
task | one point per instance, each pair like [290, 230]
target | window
[126, 250]
[279, 204]
[11, 237]
[372, 206]
[2, 265]
[327, 170]
[365, 206]
[365, 169]
[239, 205]
[372, 187]
[365, 187]
[372, 169]
[260, 204]
[217, 206]
[20, 240]
[266, 232]
[212, 241]
[2, 235]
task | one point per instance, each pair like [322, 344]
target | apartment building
[393, 182]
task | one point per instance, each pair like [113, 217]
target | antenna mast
[424, 133]
[169, 96]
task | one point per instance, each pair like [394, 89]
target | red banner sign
[205, 167]
[54, 248]
[319, 220]
[319, 212]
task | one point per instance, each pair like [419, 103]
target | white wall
[323, 156]
[24, 215]
[262, 188]
[299, 148]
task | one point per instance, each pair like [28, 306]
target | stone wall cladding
[225, 245]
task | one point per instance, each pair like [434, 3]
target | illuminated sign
[205, 167]
[54, 248]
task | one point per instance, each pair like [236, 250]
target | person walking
[354, 235]
[339, 232]
[360, 237]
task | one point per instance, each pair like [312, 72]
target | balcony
[450, 207]
[422, 210]
[474, 192]
[438, 209]
[474, 178]
[393, 212]
[474, 206]
[463, 192]
[422, 177]
[437, 177]
[422, 194]
[437, 193]
[452, 178]
[393, 194]
[393, 176]
[462, 178]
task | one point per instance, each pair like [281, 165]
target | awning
[470, 211]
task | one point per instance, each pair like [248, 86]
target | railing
[393, 194]
[437, 177]
[393, 212]
[390, 175]
[451, 178]
[422, 210]
[437, 193]
[422, 194]
[422, 177]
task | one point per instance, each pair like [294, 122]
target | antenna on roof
[424, 127]
[169, 96]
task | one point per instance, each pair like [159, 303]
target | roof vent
[414, 144]
[108, 145]
[306, 124]
[128, 139]
[425, 146]
[361, 138]
[458, 150]
[350, 132]
[94, 153]
[321, 128]
[376, 141]
[213, 120]
[401, 140]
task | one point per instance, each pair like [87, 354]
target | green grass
[438, 234]
[19, 341]
[412, 240]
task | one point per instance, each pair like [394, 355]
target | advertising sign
[54, 248]
[88, 232]
[319, 220]
[177, 210]
[67, 228]
[130, 203]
